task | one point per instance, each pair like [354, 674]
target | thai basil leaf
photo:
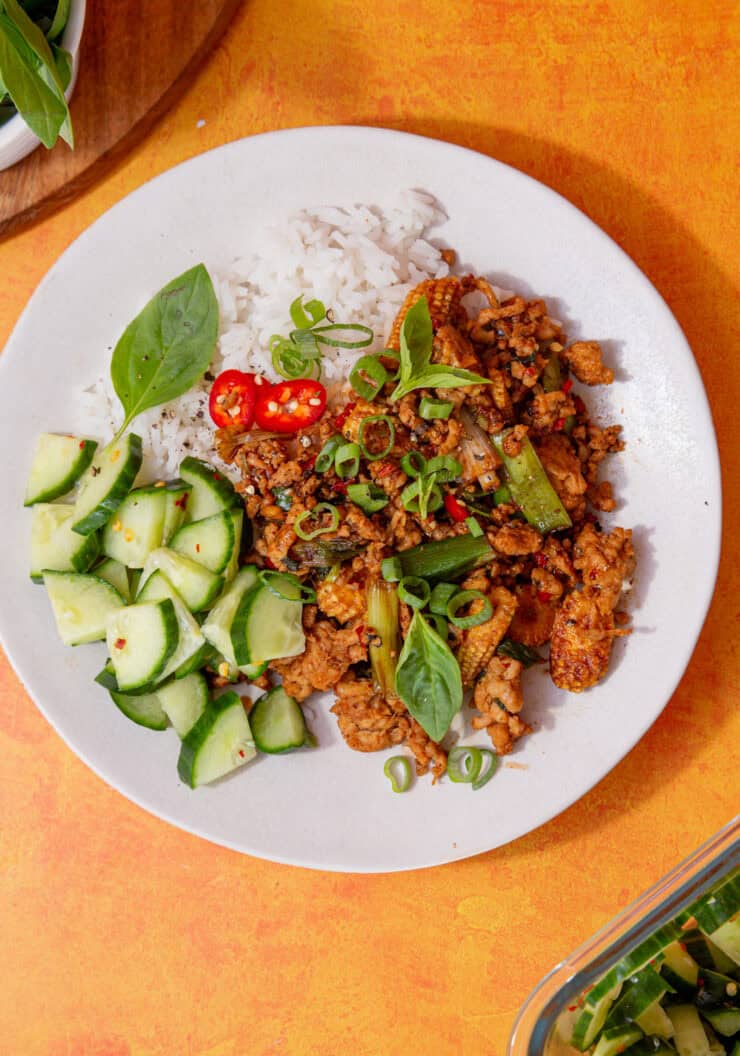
[518, 651]
[35, 39]
[40, 106]
[428, 679]
[416, 370]
[168, 345]
[59, 21]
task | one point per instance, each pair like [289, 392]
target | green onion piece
[459, 601]
[398, 771]
[446, 558]
[325, 457]
[473, 527]
[440, 596]
[288, 360]
[422, 496]
[306, 315]
[552, 378]
[439, 623]
[569, 423]
[414, 464]
[464, 764]
[391, 569]
[369, 497]
[445, 468]
[502, 495]
[488, 771]
[317, 512]
[531, 488]
[414, 591]
[383, 643]
[347, 460]
[356, 328]
[368, 376]
[302, 592]
[373, 456]
[429, 408]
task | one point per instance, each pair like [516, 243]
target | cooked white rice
[359, 261]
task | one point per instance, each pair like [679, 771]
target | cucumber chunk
[277, 723]
[219, 742]
[184, 702]
[680, 969]
[726, 1021]
[197, 586]
[137, 527]
[267, 626]
[634, 961]
[211, 491]
[210, 541]
[655, 1022]
[82, 605]
[718, 906]
[237, 517]
[106, 483]
[58, 463]
[727, 939]
[616, 1039]
[55, 546]
[107, 679]
[191, 639]
[141, 639]
[115, 573]
[177, 493]
[641, 991]
[689, 1036]
[144, 709]
[592, 1018]
[217, 627]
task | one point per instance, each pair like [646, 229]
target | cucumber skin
[193, 741]
[205, 475]
[82, 561]
[173, 632]
[124, 705]
[186, 530]
[255, 721]
[107, 679]
[105, 509]
[87, 451]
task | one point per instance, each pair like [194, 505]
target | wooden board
[137, 57]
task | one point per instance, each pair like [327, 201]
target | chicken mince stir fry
[442, 518]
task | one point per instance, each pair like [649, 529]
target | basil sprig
[416, 369]
[168, 346]
[34, 73]
[428, 679]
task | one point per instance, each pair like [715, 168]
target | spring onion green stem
[414, 592]
[429, 408]
[463, 599]
[347, 460]
[325, 457]
[369, 497]
[368, 376]
[473, 527]
[530, 487]
[398, 771]
[288, 587]
[464, 765]
[317, 512]
[391, 569]
[489, 768]
[441, 595]
[383, 623]
[446, 558]
[373, 456]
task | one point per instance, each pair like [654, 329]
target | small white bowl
[16, 138]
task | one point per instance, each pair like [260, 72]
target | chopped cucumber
[648, 950]
[717, 990]
[210, 542]
[718, 906]
[82, 605]
[177, 493]
[196, 585]
[144, 709]
[689, 1036]
[726, 1021]
[141, 639]
[184, 702]
[650, 1047]
[137, 527]
[640, 993]
[199, 659]
[107, 679]
[219, 742]
[680, 969]
[232, 567]
[191, 640]
[655, 1022]
[615, 1040]
[267, 626]
[217, 627]
[115, 573]
[592, 1018]
[727, 939]
[277, 723]
[55, 546]
[211, 491]
[106, 483]
[58, 462]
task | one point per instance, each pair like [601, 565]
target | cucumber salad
[675, 993]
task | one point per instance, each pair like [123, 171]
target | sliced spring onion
[382, 621]
[373, 456]
[502, 495]
[444, 559]
[325, 457]
[440, 596]
[290, 361]
[422, 496]
[306, 315]
[335, 342]
[414, 464]
[347, 460]
[414, 591]
[530, 486]
[391, 569]
[317, 512]
[439, 623]
[490, 766]
[429, 408]
[398, 771]
[464, 765]
[369, 497]
[459, 601]
[368, 376]
[444, 467]
[306, 594]
[473, 527]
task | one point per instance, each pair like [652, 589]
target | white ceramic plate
[332, 808]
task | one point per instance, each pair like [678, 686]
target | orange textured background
[120, 936]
